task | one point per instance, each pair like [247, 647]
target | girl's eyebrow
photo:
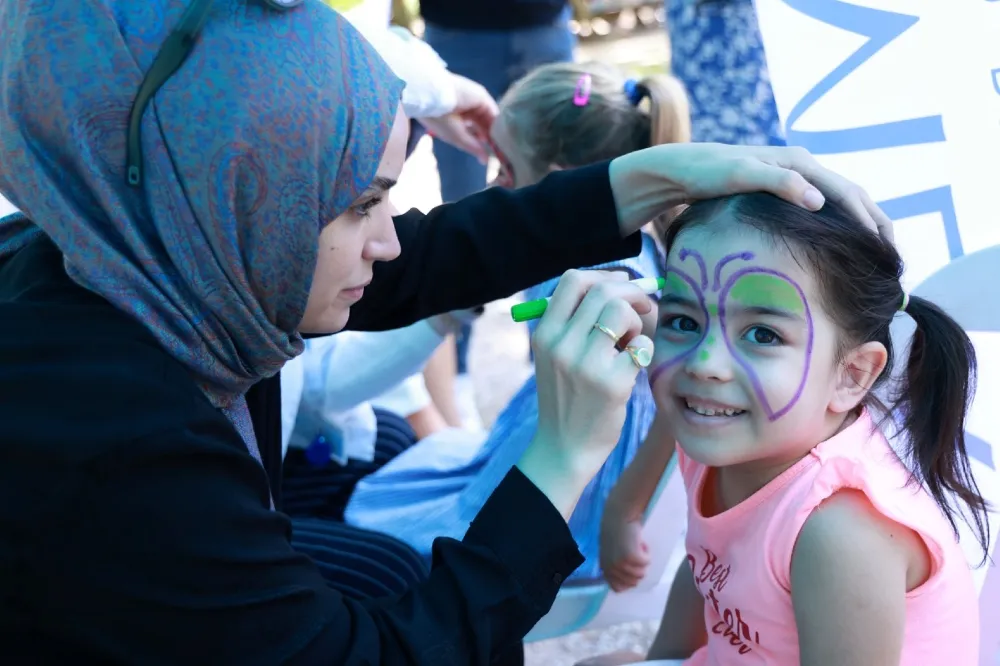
[757, 310]
[767, 311]
[677, 299]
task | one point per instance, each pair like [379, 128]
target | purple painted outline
[771, 415]
[745, 256]
[658, 370]
[685, 253]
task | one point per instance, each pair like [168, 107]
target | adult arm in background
[497, 242]
[454, 108]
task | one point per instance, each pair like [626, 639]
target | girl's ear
[859, 370]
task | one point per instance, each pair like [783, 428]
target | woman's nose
[383, 244]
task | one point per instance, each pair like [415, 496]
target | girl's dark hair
[858, 273]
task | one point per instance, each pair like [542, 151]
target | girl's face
[745, 368]
[516, 169]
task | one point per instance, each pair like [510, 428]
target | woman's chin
[333, 320]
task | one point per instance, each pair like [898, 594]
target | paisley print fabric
[271, 128]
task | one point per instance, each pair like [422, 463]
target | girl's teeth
[705, 411]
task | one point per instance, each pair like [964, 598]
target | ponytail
[669, 122]
[669, 110]
[933, 400]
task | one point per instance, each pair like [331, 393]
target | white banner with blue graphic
[903, 97]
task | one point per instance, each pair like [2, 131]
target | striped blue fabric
[431, 491]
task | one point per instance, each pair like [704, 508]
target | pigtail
[669, 110]
[933, 400]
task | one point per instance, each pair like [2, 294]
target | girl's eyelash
[365, 209]
[777, 339]
[667, 319]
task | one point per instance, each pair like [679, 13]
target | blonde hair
[553, 131]
[542, 118]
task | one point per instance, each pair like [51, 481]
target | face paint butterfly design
[754, 289]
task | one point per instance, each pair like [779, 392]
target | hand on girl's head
[849, 195]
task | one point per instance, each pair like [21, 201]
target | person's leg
[362, 564]
[324, 490]
[356, 562]
[439, 377]
[494, 59]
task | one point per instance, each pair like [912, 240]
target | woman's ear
[858, 371]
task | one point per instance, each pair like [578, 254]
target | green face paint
[767, 291]
[676, 285]
[713, 310]
[703, 354]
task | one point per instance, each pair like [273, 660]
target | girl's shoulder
[850, 533]
[858, 493]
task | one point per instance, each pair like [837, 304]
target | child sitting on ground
[810, 540]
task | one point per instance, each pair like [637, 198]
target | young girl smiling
[810, 541]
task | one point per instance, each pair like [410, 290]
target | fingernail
[813, 199]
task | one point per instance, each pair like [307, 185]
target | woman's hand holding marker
[588, 352]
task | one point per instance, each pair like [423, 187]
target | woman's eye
[680, 324]
[760, 335]
[365, 208]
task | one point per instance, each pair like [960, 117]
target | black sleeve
[493, 244]
[172, 556]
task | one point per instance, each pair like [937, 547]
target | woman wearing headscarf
[141, 296]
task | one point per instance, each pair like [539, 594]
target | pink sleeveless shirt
[742, 557]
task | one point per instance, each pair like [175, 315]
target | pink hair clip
[581, 95]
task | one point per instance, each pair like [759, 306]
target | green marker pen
[535, 309]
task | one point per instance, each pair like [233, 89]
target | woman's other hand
[584, 379]
[624, 554]
[648, 182]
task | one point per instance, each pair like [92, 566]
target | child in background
[810, 541]
[559, 116]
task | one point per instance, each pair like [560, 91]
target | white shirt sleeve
[344, 370]
[430, 90]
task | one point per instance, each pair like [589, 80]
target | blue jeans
[495, 60]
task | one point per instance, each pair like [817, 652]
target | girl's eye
[760, 335]
[365, 208]
[681, 324]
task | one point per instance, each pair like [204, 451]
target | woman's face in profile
[351, 244]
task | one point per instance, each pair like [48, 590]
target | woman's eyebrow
[380, 184]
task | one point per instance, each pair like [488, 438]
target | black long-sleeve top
[135, 528]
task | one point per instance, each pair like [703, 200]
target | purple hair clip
[634, 92]
[581, 95]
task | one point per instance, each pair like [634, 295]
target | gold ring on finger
[640, 356]
[608, 332]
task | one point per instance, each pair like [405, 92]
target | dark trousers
[322, 491]
[358, 563]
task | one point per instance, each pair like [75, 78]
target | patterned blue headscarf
[272, 127]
